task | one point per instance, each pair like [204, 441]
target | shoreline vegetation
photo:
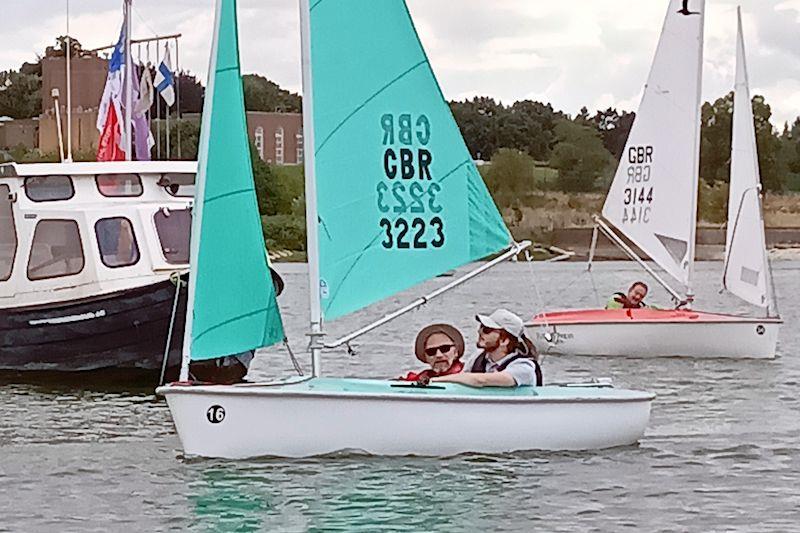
[547, 170]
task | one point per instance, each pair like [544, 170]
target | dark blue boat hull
[122, 330]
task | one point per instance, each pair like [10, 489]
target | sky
[570, 53]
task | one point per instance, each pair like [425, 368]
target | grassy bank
[531, 207]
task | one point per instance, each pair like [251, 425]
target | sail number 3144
[638, 194]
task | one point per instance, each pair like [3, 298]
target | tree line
[583, 150]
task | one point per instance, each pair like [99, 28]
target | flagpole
[158, 104]
[69, 91]
[178, 92]
[128, 84]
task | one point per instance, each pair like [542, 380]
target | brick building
[89, 74]
[278, 137]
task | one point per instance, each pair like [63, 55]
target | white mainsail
[653, 198]
[746, 267]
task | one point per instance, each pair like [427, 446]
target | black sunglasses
[486, 330]
[444, 348]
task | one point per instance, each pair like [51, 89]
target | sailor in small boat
[229, 369]
[633, 300]
[507, 359]
[440, 346]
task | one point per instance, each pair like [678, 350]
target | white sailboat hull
[324, 416]
[654, 333]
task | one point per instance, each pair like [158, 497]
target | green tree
[715, 142]
[510, 176]
[260, 94]
[478, 120]
[768, 146]
[715, 139]
[20, 95]
[614, 127]
[189, 138]
[583, 163]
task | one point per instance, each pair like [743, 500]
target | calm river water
[722, 452]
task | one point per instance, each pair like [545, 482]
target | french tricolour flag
[109, 116]
[165, 81]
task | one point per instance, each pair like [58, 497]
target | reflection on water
[721, 452]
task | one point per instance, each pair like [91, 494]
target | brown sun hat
[427, 331]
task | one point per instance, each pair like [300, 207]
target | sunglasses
[486, 331]
[444, 348]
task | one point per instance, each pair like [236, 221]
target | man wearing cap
[507, 359]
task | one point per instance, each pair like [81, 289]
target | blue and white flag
[165, 81]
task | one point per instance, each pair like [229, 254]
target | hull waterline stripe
[68, 319]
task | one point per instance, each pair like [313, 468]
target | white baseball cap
[505, 320]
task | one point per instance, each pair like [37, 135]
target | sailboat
[653, 203]
[383, 138]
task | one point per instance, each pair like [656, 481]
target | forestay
[746, 272]
[399, 198]
[231, 296]
[653, 198]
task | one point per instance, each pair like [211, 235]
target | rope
[594, 288]
[295, 364]
[175, 278]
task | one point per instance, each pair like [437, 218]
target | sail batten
[653, 197]
[232, 304]
[746, 263]
[398, 198]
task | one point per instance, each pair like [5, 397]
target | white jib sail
[746, 272]
[653, 198]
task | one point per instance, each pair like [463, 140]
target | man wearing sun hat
[440, 346]
[507, 358]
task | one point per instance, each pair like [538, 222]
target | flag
[109, 146]
[165, 81]
[142, 97]
[109, 114]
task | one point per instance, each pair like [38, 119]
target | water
[720, 454]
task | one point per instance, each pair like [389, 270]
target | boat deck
[365, 388]
[607, 316]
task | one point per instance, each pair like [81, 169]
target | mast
[128, 83]
[696, 163]
[311, 192]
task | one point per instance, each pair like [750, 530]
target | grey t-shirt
[523, 370]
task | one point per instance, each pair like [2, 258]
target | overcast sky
[569, 53]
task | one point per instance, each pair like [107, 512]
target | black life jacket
[479, 366]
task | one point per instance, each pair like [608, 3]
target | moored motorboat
[90, 256]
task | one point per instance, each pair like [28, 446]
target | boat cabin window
[56, 250]
[181, 185]
[49, 188]
[8, 234]
[114, 185]
[173, 227]
[117, 242]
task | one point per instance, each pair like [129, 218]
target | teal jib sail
[399, 198]
[231, 296]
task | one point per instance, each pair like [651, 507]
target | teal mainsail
[231, 296]
[398, 196]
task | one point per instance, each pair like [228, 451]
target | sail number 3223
[408, 193]
[419, 234]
